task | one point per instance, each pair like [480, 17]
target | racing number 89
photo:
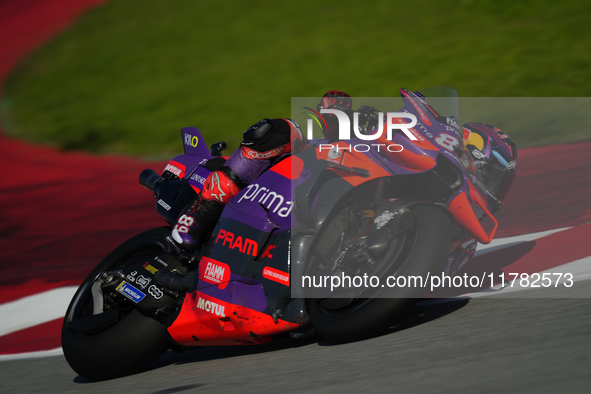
[184, 223]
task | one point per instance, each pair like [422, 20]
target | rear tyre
[426, 246]
[128, 343]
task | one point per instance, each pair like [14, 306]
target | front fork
[367, 199]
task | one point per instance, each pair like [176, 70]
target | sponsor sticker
[176, 168]
[270, 199]
[276, 275]
[453, 122]
[130, 292]
[263, 155]
[383, 219]
[142, 281]
[211, 307]
[198, 178]
[191, 140]
[164, 204]
[131, 277]
[477, 154]
[246, 246]
[214, 272]
[150, 268]
[155, 292]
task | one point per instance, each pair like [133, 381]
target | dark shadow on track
[420, 314]
[178, 389]
[81, 380]
[208, 353]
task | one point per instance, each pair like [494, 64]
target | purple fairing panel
[239, 291]
[198, 177]
[195, 173]
[191, 162]
[265, 204]
[193, 143]
[249, 169]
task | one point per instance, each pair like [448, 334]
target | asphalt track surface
[58, 216]
[468, 346]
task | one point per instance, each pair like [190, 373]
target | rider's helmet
[270, 138]
[334, 99]
[298, 141]
[494, 154]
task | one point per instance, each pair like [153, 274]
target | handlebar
[149, 178]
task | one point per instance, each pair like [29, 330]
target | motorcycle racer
[265, 143]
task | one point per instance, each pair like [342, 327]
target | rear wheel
[420, 244]
[107, 341]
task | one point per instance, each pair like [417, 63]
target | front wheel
[122, 340]
[422, 246]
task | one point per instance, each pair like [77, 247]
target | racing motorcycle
[332, 209]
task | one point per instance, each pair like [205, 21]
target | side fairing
[243, 291]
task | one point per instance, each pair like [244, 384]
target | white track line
[502, 243]
[23, 356]
[36, 309]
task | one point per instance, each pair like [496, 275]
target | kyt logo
[392, 124]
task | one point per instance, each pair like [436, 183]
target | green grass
[127, 76]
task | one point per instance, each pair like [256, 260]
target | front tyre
[127, 341]
[427, 243]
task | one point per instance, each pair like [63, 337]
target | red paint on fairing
[176, 168]
[463, 213]
[208, 321]
[291, 167]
